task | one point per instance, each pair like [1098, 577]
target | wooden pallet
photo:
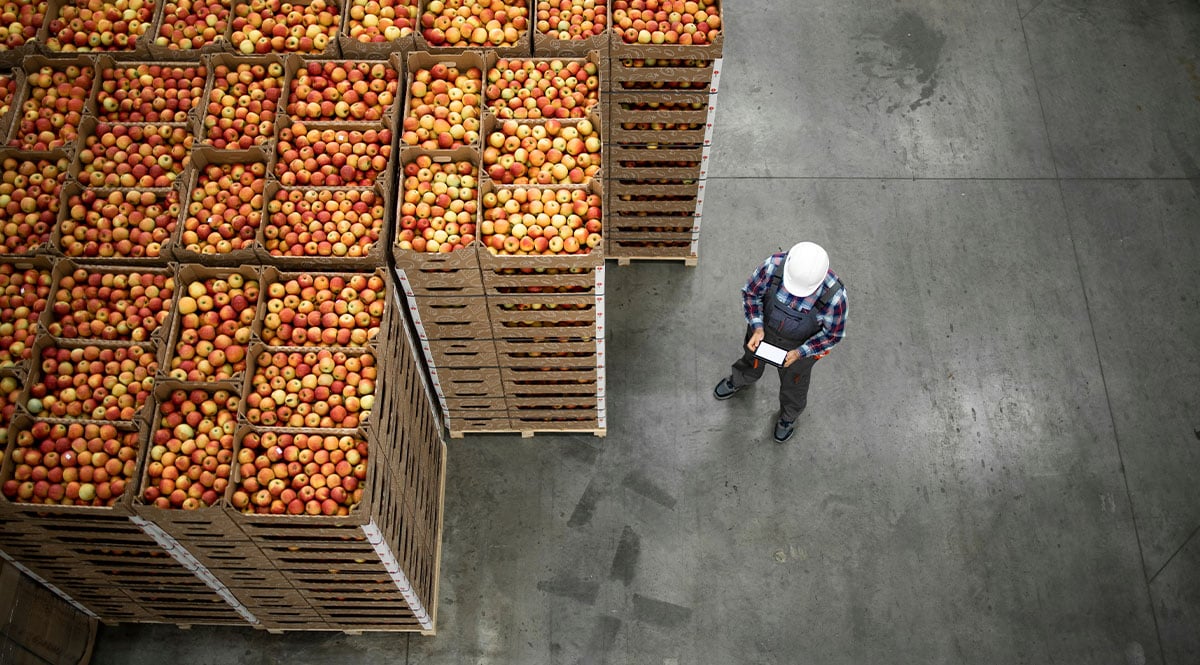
[689, 261]
[528, 433]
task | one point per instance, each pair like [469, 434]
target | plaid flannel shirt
[832, 320]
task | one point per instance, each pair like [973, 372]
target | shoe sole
[722, 399]
[784, 439]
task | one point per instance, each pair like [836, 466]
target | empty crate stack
[499, 246]
[212, 411]
[663, 74]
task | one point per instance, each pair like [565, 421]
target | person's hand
[755, 339]
[792, 356]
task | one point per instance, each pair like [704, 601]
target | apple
[569, 220]
[149, 93]
[191, 452]
[143, 156]
[24, 19]
[320, 388]
[125, 306]
[120, 224]
[332, 157]
[192, 24]
[311, 222]
[23, 297]
[29, 201]
[53, 107]
[324, 477]
[212, 327]
[241, 108]
[378, 21]
[568, 20]
[100, 25]
[683, 22]
[323, 310]
[79, 464]
[8, 90]
[443, 104]
[544, 153]
[224, 209]
[342, 91]
[542, 88]
[439, 207]
[474, 23]
[93, 383]
[276, 26]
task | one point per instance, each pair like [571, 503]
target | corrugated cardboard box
[39, 628]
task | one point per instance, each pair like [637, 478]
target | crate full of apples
[666, 29]
[116, 154]
[542, 152]
[52, 102]
[307, 27]
[548, 227]
[334, 154]
[325, 228]
[216, 313]
[242, 98]
[569, 28]
[109, 304]
[308, 310]
[190, 452]
[667, 118]
[187, 29]
[439, 202]
[324, 388]
[29, 201]
[150, 92]
[223, 208]
[378, 28]
[366, 91]
[26, 288]
[535, 88]
[456, 26]
[76, 26]
[444, 103]
[117, 226]
[20, 39]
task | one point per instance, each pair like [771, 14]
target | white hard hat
[804, 269]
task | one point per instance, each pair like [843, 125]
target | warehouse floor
[1000, 463]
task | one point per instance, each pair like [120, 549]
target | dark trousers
[793, 380]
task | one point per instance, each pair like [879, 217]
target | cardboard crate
[154, 333]
[232, 61]
[39, 627]
[13, 84]
[620, 48]
[476, 407]
[24, 245]
[84, 252]
[455, 317]
[562, 263]
[521, 315]
[19, 365]
[52, 45]
[117, 64]
[385, 178]
[492, 124]
[655, 187]
[626, 162]
[522, 48]
[253, 378]
[192, 273]
[88, 137]
[460, 424]
[425, 60]
[548, 46]
[691, 113]
[424, 275]
[584, 57]
[334, 7]
[283, 256]
[653, 246]
[355, 47]
[470, 383]
[272, 276]
[656, 74]
[450, 353]
[550, 380]
[547, 352]
[36, 377]
[296, 67]
[502, 282]
[69, 133]
[12, 56]
[627, 207]
[169, 16]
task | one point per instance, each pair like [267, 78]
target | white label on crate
[404, 283]
[711, 121]
[699, 208]
[599, 308]
[55, 590]
[704, 161]
[600, 279]
[397, 574]
[716, 76]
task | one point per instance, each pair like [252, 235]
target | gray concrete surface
[998, 466]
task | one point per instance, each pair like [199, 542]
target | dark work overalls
[788, 329]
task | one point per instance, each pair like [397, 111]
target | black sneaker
[784, 429]
[725, 389]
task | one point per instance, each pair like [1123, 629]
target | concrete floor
[1000, 463]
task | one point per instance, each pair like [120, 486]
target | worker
[795, 303]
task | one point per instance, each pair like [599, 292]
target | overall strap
[823, 302]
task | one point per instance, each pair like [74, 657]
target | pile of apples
[93, 383]
[377, 21]
[263, 26]
[300, 474]
[23, 19]
[149, 93]
[684, 22]
[192, 24]
[29, 192]
[191, 452]
[437, 213]
[339, 223]
[242, 105]
[474, 23]
[80, 464]
[542, 88]
[100, 25]
[332, 157]
[225, 208]
[547, 153]
[571, 19]
[321, 388]
[111, 306]
[119, 223]
[23, 297]
[214, 323]
[537, 220]
[119, 155]
[342, 91]
[53, 108]
[443, 108]
[322, 310]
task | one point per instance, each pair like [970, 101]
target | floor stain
[660, 612]
[639, 483]
[624, 564]
[908, 55]
[580, 590]
[586, 507]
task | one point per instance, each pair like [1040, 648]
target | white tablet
[771, 353]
